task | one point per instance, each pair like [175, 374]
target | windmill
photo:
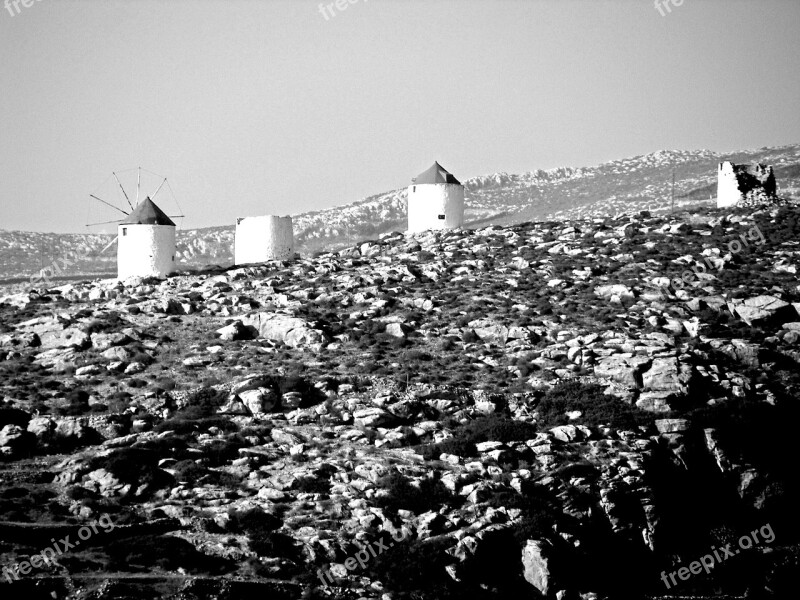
[145, 234]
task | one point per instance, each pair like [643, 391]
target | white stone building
[259, 239]
[146, 243]
[435, 201]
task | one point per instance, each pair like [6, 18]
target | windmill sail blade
[109, 245]
[108, 204]
[123, 190]
[153, 197]
[104, 223]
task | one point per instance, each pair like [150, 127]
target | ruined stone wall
[744, 185]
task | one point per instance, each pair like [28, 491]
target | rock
[260, 401]
[196, 361]
[281, 436]
[292, 331]
[271, 494]
[672, 425]
[397, 330]
[16, 439]
[74, 432]
[489, 331]
[761, 310]
[234, 406]
[615, 293]
[104, 341]
[570, 433]
[291, 400]
[117, 353]
[68, 338]
[654, 401]
[536, 566]
[235, 331]
[746, 352]
[87, 371]
[373, 417]
[622, 368]
[666, 374]
[25, 340]
[43, 428]
[103, 482]
[172, 306]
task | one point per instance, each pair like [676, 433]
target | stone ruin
[745, 185]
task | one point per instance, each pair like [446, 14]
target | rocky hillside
[562, 409]
[628, 185]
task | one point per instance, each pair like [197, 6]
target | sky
[254, 107]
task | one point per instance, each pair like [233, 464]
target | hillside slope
[572, 407]
[627, 185]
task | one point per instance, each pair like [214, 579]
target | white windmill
[145, 234]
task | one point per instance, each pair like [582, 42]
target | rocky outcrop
[292, 331]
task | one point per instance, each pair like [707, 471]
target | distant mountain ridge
[626, 185]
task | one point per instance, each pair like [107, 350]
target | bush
[166, 552]
[491, 428]
[401, 494]
[13, 416]
[199, 414]
[135, 466]
[253, 522]
[596, 407]
[411, 567]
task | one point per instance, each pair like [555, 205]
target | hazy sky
[265, 107]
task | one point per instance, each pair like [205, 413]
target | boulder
[68, 338]
[71, 432]
[489, 330]
[234, 406]
[625, 369]
[762, 310]
[292, 331]
[536, 566]
[260, 401]
[397, 330]
[667, 375]
[615, 292]
[16, 439]
[235, 331]
[672, 425]
[657, 402]
[104, 341]
[44, 428]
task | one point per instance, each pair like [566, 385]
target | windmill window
[413, 188]
[441, 217]
[124, 231]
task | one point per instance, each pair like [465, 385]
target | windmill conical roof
[436, 174]
[147, 213]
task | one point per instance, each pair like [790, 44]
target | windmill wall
[145, 251]
[744, 184]
[259, 239]
[435, 206]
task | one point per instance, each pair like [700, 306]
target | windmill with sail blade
[145, 233]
